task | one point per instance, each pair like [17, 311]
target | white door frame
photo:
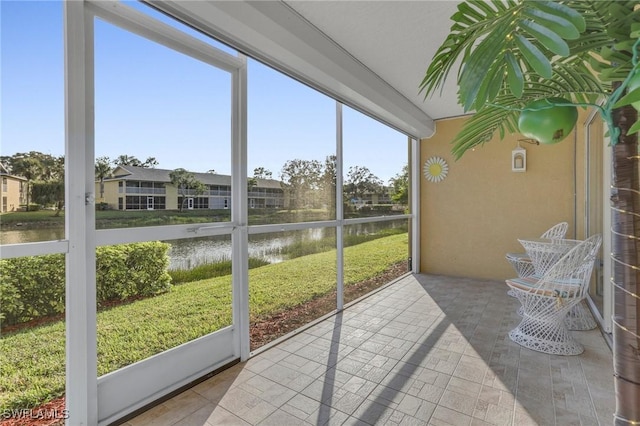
[89, 399]
[604, 317]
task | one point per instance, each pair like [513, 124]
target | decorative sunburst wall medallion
[435, 169]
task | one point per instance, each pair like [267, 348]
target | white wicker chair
[521, 261]
[546, 301]
[543, 255]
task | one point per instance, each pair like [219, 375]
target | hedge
[34, 286]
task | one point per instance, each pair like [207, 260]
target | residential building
[143, 188]
[13, 192]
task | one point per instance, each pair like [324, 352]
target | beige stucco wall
[472, 218]
[111, 194]
[15, 198]
[172, 197]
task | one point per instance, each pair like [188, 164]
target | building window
[143, 202]
[159, 203]
[194, 202]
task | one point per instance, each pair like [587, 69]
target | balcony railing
[132, 190]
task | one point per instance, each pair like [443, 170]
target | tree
[52, 167]
[51, 192]
[150, 162]
[584, 52]
[251, 183]
[29, 168]
[328, 181]
[38, 167]
[186, 183]
[400, 185]
[131, 160]
[127, 160]
[361, 181]
[258, 173]
[300, 178]
[103, 171]
[262, 173]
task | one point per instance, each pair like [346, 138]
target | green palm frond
[515, 52]
[481, 126]
[571, 80]
[515, 40]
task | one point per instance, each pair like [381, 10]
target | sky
[151, 101]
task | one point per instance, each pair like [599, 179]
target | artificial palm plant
[508, 54]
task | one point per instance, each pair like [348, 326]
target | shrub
[127, 270]
[10, 302]
[33, 207]
[34, 286]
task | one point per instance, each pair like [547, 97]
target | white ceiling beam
[273, 33]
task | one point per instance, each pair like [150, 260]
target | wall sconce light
[519, 159]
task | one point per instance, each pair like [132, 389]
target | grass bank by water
[32, 360]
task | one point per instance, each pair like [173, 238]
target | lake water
[190, 252]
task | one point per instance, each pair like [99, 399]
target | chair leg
[516, 294]
[579, 318]
[546, 333]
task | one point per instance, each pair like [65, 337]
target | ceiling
[370, 55]
[394, 39]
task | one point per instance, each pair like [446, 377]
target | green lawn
[41, 216]
[32, 361]
[134, 218]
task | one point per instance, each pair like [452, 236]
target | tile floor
[426, 350]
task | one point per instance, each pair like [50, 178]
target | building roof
[3, 174]
[134, 173]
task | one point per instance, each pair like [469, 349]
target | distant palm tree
[126, 160]
[103, 171]
[511, 53]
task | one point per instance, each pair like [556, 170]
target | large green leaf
[485, 7]
[561, 10]
[514, 75]
[546, 37]
[476, 71]
[629, 98]
[634, 129]
[557, 24]
[534, 56]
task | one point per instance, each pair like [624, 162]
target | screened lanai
[312, 104]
